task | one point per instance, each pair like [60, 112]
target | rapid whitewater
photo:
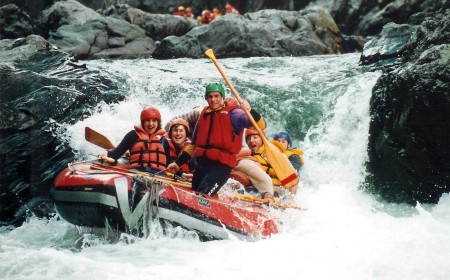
[345, 233]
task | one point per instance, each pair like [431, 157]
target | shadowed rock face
[41, 89]
[409, 143]
[14, 23]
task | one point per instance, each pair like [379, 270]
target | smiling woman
[144, 143]
[177, 140]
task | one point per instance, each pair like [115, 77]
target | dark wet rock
[394, 11]
[389, 47]
[367, 17]
[42, 89]
[264, 33]
[409, 142]
[14, 23]
[31, 7]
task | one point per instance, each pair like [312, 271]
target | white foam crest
[336, 148]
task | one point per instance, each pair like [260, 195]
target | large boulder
[409, 142]
[264, 33]
[69, 12]
[156, 26]
[103, 38]
[42, 89]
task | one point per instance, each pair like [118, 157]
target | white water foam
[344, 234]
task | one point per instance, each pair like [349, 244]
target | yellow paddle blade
[280, 163]
[98, 139]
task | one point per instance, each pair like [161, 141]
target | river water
[345, 233]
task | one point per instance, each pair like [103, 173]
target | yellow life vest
[295, 151]
[260, 156]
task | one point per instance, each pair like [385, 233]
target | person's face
[178, 135]
[254, 142]
[150, 125]
[215, 100]
[284, 142]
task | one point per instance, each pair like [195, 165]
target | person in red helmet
[144, 143]
[177, 140]
[229, 9]
[188, 13]
[206, 17]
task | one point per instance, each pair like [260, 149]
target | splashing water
[345, 233]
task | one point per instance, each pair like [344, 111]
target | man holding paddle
[216, 140]
[255, 144]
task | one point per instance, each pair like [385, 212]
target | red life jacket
[216, 138]
[148, 150]
[173, 155]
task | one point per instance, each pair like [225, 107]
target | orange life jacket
[216, 138]
[173, 155]
[148, 150]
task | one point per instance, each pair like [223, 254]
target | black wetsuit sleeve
[256, 116]
[296, 162]
[126, 144]
[183, 158]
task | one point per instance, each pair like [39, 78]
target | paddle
[279, 162]
[248, 198]
[257, 200]
[97, 165]
[98, 139]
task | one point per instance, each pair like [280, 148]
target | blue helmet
[284, 135]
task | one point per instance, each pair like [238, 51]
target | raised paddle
[279, 162]
[98, 139]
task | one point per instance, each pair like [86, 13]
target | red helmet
[150, 113]
[177, 122]
[249, 132]
[252, 131]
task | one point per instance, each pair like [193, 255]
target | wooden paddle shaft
[211, 56]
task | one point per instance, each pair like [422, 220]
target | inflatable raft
[96, 195]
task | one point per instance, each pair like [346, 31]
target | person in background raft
[255, 144]
[229, 9]
[216, 140]
[179, 12]
[188, 13]
[206, 17]
[295, 155]
[144, 143]
[177, 140]
[216, 13]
